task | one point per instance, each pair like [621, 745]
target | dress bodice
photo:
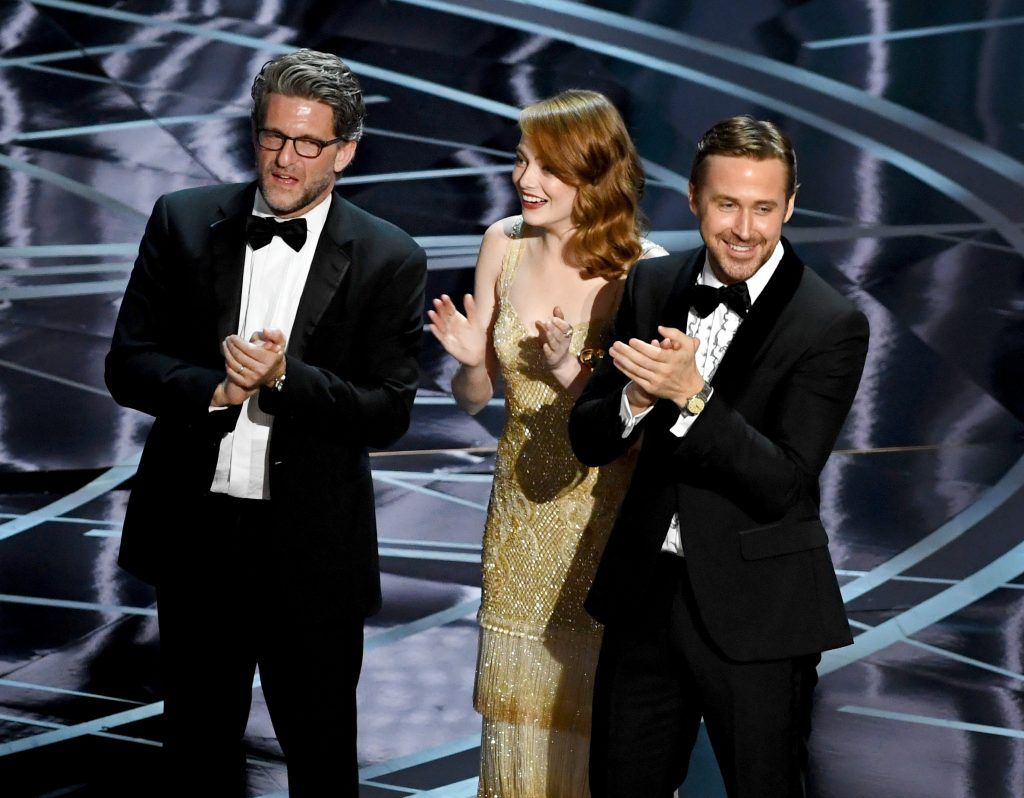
[549, 515]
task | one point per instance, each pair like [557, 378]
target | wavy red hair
[581, 139]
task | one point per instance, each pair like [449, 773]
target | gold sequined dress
[547, 523]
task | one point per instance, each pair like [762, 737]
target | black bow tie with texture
[705, 299]
[259, 230]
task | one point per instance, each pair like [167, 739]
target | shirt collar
[758, 280]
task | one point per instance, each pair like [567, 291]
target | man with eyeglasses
[272, 330]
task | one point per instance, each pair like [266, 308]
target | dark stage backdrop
[907, 120]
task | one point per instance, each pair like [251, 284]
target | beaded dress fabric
[548, 520]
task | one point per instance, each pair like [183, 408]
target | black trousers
[656, 678]
[220, 616]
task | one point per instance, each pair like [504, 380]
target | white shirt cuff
[682, 425]
[629, 421]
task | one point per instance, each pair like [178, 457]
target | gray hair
[313, 76]
[745, 137]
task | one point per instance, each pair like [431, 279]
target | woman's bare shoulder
[511, 227]
[494, 245]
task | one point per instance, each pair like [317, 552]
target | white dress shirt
[715, 332]
[272, 283]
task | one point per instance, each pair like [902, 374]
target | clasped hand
[555, 335]
[465, 338]
[250, 365]
[661, 369]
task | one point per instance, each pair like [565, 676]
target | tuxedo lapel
[676, 309]
[227, 241]
[755, 332]
[330, 263]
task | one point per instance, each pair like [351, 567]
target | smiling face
[546, 200]
[741, 205]
[291, 184]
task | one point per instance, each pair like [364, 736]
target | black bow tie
[705, 299]
[260, 229]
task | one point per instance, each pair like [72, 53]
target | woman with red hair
[547, 285]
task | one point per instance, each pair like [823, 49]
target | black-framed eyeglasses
[306, 147]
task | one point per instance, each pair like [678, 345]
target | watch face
[694, 405]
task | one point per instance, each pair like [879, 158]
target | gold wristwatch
[695, 404]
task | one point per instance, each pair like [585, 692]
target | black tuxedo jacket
[744, 479]
[351, 379]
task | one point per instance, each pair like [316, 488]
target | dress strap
[511, 259]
